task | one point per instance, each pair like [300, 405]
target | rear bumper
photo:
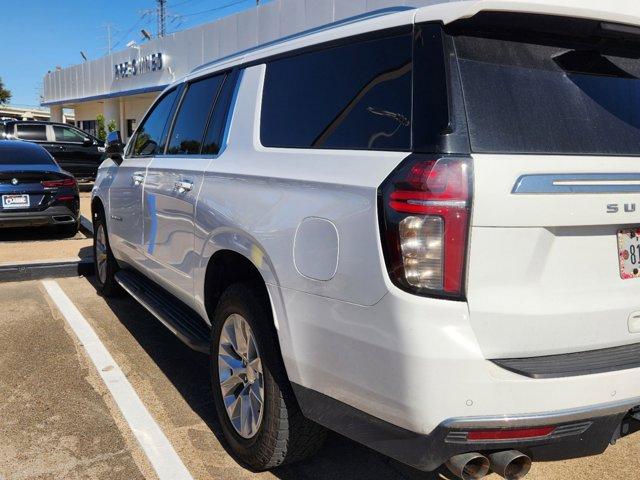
[408, 365]
[55, 215]
[577, 433]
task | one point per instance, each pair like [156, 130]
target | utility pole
[109, 37]
[108, 26]
[162, 17]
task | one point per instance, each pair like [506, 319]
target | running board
[184, 322]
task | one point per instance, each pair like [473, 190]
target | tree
[112, 126]
[5, 95]
[100, 128]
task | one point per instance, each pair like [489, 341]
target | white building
[122, 86]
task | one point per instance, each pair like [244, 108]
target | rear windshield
[549, 94]
[13, 152]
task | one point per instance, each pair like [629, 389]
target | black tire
[69, 230]
[284, 435]
[106, 286]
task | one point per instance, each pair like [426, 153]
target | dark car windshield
[550, 95]
[13, 152]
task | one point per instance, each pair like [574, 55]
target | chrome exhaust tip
[469, 466]
[510, 464]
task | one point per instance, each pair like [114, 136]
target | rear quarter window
[354, 96]
[27, 131]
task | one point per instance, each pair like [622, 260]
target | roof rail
[346, 21]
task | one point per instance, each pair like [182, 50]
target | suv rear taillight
[425, 210]
[67, 182]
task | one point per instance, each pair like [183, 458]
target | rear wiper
[398, 117]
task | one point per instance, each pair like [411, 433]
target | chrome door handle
[182, 187]
[137, 179]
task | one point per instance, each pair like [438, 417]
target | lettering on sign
[149, 63]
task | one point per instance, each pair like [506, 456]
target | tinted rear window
[356, 96]
[28, 131]
[550, 94]
[192, 117]
[13, 153]
[219, 117]
[150, 136]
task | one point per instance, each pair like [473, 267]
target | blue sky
[39, 35]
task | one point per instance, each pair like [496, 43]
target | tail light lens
[67, 182]
[425, 211]
[513, 434]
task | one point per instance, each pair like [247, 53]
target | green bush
[100, 128]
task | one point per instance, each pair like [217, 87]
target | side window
[66, 134]
[89, 126]
[131, 126]
[191, 120]
[356, 96]
[218, 121]
[30, 131]
[150, 138]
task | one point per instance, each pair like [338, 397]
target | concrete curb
[86, 226]
[42, 270]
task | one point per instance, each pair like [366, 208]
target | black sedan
[76, 151]
[34, 190]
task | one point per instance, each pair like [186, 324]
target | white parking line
[153, 441]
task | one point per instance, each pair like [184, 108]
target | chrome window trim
[572, 183]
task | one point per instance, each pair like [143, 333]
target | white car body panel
[619, 11]
[543, 269]
[271, 191]
[168, 239]
[126, 203]
[423, 363]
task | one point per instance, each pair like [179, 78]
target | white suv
[417, 228]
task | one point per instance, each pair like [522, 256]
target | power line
[221, 7]
[173, 5]
[135, 25]
[163, 15]
[189, 19]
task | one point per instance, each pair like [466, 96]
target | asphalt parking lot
[57, 419]
[60, 420]
[28, 245]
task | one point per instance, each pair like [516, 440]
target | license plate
[15, 201]
[629, 252]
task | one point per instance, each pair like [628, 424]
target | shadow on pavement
[33, 234]
[340, 458]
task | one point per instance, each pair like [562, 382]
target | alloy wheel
[101, 254]
[240, 374]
